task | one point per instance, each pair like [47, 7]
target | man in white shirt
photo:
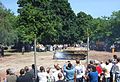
[80, 71]
[42, 75]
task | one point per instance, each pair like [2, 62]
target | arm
[75, 76]
[64, 68]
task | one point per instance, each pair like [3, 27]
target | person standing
[28, 75]
[1, 51]
[57, 70]
[60, 78]
[23, 50]
[33, 72]
[42, 75]
[93, 75]
[21, 78]
[117, 74]
[11, 77]
[80, 71]
[70, 72]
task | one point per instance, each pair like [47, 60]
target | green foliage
[67, 31]
[101, 29]
[84, 23]
[37, 19]
[115, 26]
[53, 21]
[8, 33]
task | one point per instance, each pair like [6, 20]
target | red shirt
[99, 69]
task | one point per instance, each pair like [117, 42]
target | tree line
[54, 22]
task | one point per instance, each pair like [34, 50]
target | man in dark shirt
[28, 75]
[90, 66]
[21, 78]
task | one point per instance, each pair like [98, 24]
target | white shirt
[55, 75]
[108, 68]
[42, 76]
[80, 71]
[103, 65]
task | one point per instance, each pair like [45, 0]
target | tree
[84, 23]
[8, 34]
[115, 26]
[67, 29]
[101, 29]
[36, 18]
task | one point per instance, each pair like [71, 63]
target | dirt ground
[18, 61]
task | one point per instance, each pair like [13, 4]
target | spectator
[11, 76]
[113, 70]
[60, 78]
[23, 50]
[102, 64]
[110, 63]
[107, 72]
[34, 72]
[80, 71]
[98, 69]
[57, 70]
[7, 71]
[90, 66]
[117, 74]
[28, 75]
[114, 59]
[49, 75]
[21, 78]
[42, 75]
[1, 51]
[70, 72]
[93, 75]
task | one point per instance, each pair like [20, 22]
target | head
[59, 75]
[33, 66]
[42, 69]
[69, 65]
[101, 62]
[12, 71]
[91, 62]
[93, 69]
[7, 71]
[26, 68]
[107, 63]
[115, 56]
[22, 71]
[110, 60]
[77, 61]
[48, 70]
[97, 62]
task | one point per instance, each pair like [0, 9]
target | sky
[95, 8]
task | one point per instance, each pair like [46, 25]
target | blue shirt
[69, 72]
[93, 76]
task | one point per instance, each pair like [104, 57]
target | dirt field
[18, 61]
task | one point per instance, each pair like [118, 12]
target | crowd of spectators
[95, 71]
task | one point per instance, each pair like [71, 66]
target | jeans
[108, 79]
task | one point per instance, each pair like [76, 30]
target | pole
[87, 49]
[35, 59]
